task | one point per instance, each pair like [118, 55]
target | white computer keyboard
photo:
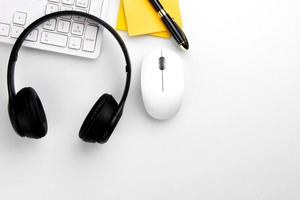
[71, 35]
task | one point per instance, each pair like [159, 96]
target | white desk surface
[237, 135]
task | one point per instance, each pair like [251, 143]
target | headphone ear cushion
[97, 123]
[30, 115]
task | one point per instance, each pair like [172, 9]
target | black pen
[172, 26]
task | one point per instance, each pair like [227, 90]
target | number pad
[86, 35]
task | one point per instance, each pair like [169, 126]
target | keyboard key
[77, 29]
[4, 29]
[94, 5]
[90, 38]
[75, 43]
[51, 8]
[50, 24]
[16, 31]
[82, 3]
[79, 18]
[33, 36]
[54, 39]
[94, 8]
[55, 1]
[63, 26]
[66, 8]
[20, 18]
[68, 2]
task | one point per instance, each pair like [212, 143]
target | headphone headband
[18, 44]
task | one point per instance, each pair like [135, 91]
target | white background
[237, 135]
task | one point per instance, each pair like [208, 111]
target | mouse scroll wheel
[162, 63]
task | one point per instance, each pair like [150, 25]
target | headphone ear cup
[97, 123]
[112, 127]
[30, 118]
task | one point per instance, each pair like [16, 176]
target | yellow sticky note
[121, 19]
[142, 18]
[122, 24]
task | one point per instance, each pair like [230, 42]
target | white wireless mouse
[162, 83]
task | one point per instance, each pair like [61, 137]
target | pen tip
[185, 45]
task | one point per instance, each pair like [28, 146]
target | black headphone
[25, 108]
